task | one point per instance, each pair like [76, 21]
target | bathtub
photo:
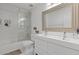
[25, 47]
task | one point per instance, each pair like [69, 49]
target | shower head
[31, 5]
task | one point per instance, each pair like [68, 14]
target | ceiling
[28, 6]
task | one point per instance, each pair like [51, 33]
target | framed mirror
[61, 18]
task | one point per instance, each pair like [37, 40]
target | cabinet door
[34, 38]
[41, 45]
[56, 49]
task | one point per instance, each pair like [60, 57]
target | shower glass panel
[23, 23]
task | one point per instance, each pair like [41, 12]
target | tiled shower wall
[12, 33]
[9, 33]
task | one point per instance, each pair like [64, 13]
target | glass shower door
[23, 25]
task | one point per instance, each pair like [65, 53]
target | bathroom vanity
[61, 18]
[55, 45]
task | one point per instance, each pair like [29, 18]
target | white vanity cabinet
[50, 46]
[40, 45]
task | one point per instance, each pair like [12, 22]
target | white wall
[36, 16]
[36, 20]
[11, 33]
[8, 34]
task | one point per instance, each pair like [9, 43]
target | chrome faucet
[64, 36]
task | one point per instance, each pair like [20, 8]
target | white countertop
[71, 40]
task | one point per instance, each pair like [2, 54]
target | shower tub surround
[18, 48]
[56, 44]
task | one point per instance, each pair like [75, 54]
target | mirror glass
[61, 18]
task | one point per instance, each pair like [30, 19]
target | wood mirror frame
[74, 24]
